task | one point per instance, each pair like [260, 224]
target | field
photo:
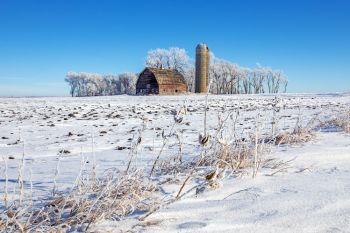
[194, 163]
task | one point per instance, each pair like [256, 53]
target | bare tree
[128, 82]
[189, 76]
[171, 58]
[90, 84]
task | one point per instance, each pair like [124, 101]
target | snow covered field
[49, 138]
[316, 200]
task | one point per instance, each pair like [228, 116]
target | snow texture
[311, 196]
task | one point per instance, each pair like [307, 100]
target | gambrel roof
[166, 76]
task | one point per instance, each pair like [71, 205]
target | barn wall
[172, 89]
[147, 83]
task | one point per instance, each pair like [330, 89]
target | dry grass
[301, 136]
[111, 197]
[339, 121]
[343, 121]
[277, 165]
[236, 157]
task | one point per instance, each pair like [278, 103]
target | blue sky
[40, 40]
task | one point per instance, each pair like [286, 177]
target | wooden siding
[160, 81]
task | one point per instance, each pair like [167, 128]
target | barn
[160, 81]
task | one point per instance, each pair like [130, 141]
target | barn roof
[167, 76]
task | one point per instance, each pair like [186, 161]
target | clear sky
[41, 40]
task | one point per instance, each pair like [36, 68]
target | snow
[310, 196]
[309, 201]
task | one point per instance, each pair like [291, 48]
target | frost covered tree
[230, 78]
[90, 84]
[171, 58]
[189, 76]
[72, 80]
[112, 85]
[128, 83]
[225, 77]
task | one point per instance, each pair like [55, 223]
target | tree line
[229, 78]
[90, 84]
[225, 77]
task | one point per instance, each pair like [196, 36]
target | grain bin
[202, 68]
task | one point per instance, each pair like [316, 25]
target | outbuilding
[160, 81]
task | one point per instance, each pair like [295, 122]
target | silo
[202, 68]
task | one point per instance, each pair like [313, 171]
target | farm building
[160, 81]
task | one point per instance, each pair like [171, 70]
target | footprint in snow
[268, 214]
[192, 225]
[331, 170]
[333, 230]
[286, 190]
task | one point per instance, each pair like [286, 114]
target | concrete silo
[202, 68]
